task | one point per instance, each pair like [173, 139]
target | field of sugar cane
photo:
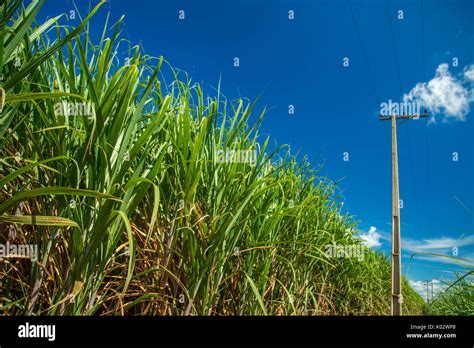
[132, 212]
[456, 299]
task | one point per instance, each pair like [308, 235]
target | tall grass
[456, 299]
[131, 210]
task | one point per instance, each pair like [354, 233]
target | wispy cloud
[431, 245]
[454, 251]
[459, 263]
[445, 94]
[445, 250]
[436, 244]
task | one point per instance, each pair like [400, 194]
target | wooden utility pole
[397, 299]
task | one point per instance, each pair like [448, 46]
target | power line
[415, 192]
[394, 48]
[372, 80]
[428, 177]
[412, 167]
[423, 40]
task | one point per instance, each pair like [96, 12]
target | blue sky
[300, 62]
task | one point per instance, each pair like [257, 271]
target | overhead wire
[371, 77]
[428, 176]
[406, 127]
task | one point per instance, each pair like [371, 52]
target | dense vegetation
[131, 210]
[456, 299]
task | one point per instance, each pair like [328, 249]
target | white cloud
[445, 250]
[445, 94]
[469, 73]
[436, 244]
[469, 77]
[371, 238]
[459, 263]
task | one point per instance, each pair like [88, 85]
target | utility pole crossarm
[388, 118]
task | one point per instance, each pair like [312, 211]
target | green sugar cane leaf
[38, 220]
[22, 170]
[256, 293]
[21, 29]
[156, 198]
[131, 248]
[35, 63]
[40, 30]
[5, 121]
[22, 97]
[24, 195]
